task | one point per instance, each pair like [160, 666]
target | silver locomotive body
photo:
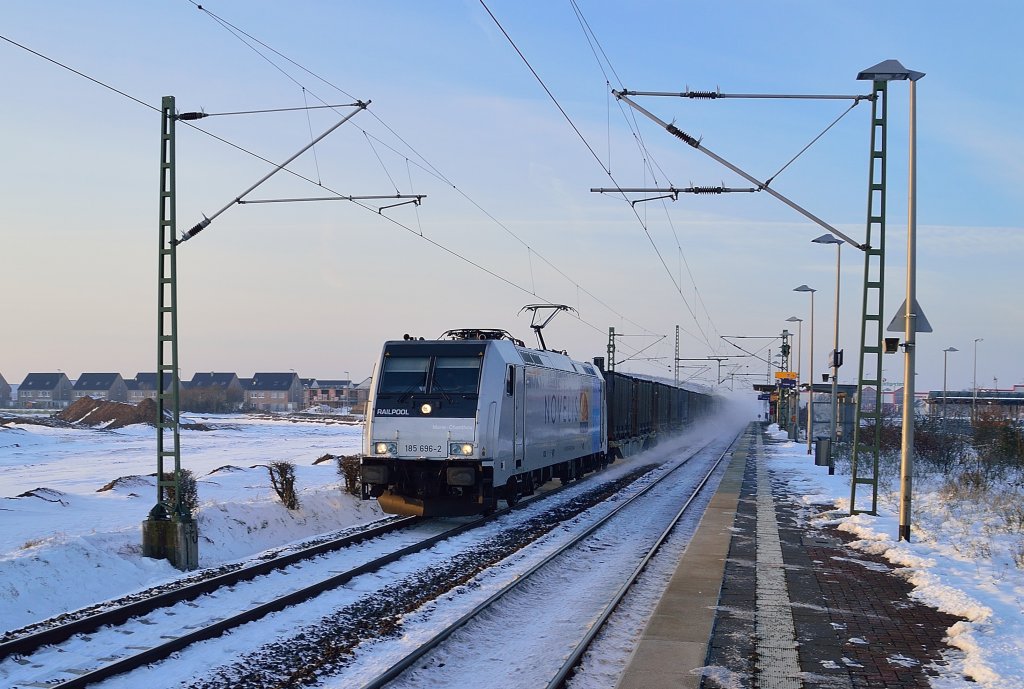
[454, 425]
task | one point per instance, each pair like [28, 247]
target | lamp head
[804, 288]
[889, 70]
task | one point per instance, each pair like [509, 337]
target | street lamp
[974, 385]
[799, 353]
[945, 355]
[810, 370]
[892, 70]
[831, 239]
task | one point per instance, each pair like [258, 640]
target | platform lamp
[799, 350]
[836, 361]
[945, 355]
[974, 385]
[810, 370]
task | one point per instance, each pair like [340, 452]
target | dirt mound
[90, 412]
[133, 481]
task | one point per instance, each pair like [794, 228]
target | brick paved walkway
[856, 627]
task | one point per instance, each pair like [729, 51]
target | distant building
[5, 393]
[135, 392]
[145, 386]
[213, 392]
[216, 381]
[44, 391]
[954, 404]
[361, 394]
[331, 393]
[104, 386]
[274, 392]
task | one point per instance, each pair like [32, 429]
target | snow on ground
[66, 543]
[956, 561]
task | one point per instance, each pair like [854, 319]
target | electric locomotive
[455, 424]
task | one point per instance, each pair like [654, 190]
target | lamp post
[810, 370]
[945, 355]
[892, 70]
[831, 239]
[799, 353]
[974, 385]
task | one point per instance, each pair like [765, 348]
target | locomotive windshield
[404, 374]
[429, 373]
[457, 375]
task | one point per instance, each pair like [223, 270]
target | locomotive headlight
[426, 409]
[385, 448]
[460, 449]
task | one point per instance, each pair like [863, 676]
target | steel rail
[411, 658]
[574, 658]
[216, 629]
[162, 651]
[53, 635]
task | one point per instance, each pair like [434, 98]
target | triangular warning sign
[898, 322]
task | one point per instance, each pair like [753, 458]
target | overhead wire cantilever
[672, 192]
[762, 186]
[202, 225]
[410, 198]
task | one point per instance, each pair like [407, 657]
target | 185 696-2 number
[423, 449]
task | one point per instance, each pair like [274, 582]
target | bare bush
[971, 484]
[998, 440]
[282, 478]
[1012, 513]
[348, 470]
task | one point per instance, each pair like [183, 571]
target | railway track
[158, 626]
[595, 617]
[63, 627]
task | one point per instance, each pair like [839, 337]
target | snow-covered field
[68, 543]
[956, 561]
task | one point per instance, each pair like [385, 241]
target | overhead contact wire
[593, 153]
[238, 32]
[648, 159]
[292, 172]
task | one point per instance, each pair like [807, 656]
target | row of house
[263, 391]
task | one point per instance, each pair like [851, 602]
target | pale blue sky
[318, 287]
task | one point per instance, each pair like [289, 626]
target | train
[455, 424]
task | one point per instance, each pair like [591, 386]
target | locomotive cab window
[404, 374]
[456, 375]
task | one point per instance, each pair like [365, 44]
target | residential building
[331, 393]
[44, 391]
[361, 394]
[136, 393]
[5, 393]
[147, 385]
[104, 386]
[213, 392]
[274, 392]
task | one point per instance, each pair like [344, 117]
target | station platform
[762, 599]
